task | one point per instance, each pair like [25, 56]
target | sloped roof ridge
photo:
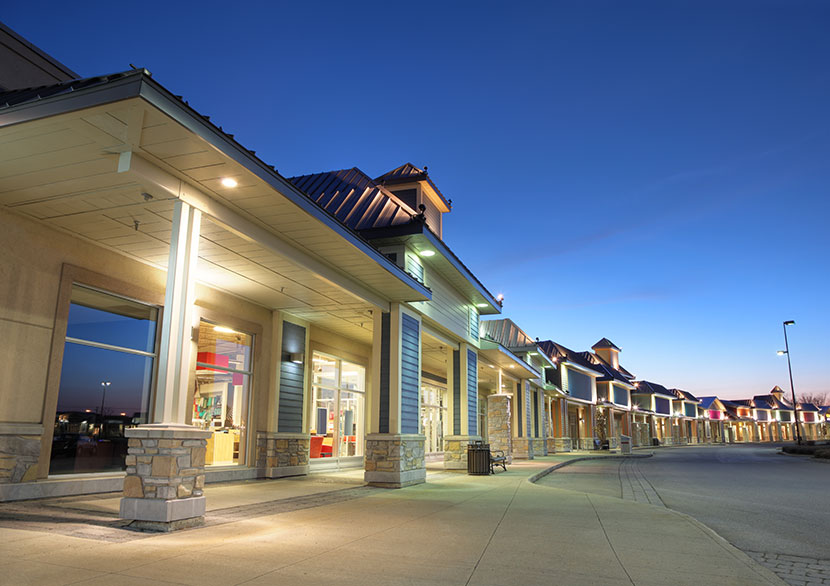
[606, 343]
[405, 170]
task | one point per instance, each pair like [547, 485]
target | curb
[555, 467]
[768, 575]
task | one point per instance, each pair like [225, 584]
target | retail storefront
[337, 418]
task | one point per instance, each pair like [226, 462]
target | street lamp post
[792, 387]
[104, 386]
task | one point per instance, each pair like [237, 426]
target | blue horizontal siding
[292, 379]
[472, 392]
[410, 371]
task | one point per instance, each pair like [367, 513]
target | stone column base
[282, 454]
[523, 448]
[394, 460]
[562, 444]
[164, 515]
[455, 450]
[551, 444]
[163, 489]
[587, 443]
[613, 442]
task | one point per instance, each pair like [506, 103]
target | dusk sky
[656, 173]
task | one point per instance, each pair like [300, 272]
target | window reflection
[106, 377]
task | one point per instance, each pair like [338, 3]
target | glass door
[337, 423]
[433, 414]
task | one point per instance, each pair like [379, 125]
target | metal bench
[497, 458]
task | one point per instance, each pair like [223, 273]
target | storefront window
[338, 407]
[220, 400]
[433, 414]
[105, 383]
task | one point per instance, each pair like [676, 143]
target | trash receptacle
[478, 459]
[625, 444]
[655, 441]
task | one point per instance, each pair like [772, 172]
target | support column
[462, 380]
[283, 446]
[563, 440]
[163, 489]
[500, 423]
[395, 448]
[522, 420]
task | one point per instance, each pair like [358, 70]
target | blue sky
[651, 172]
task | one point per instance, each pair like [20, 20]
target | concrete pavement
[455, 529]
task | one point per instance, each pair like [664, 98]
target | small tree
[818, 398]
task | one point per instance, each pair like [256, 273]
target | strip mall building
[176, 312]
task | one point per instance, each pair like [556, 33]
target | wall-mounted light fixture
[296, 357]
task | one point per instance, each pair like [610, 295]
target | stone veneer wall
[587, 443]
[523, 447]
[562, 444]
[499, 424]
[163, 489]
[282, 454]
[394, 460]
[455, 450]
[19, 452]
[551, 442]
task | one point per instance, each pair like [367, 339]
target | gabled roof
[609, 372]
[650, 388]
[761, 404]
[685, 395]
[809, 407]
[773, 402]
[606, 343]
[408, 173]
[559, 352]
[710, 402]
[353, 198]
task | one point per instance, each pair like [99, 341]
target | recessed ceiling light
[229, 182]
[481, 305]
[427, 252]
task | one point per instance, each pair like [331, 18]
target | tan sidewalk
[455, 529]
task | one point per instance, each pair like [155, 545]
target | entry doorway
[337, 414]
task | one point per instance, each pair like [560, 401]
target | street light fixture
[786, 351]
[104, 385]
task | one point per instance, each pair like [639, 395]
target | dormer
[777, 392]
[413, 187]
[608, 351]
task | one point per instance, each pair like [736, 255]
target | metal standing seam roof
[609, 372]
[685, 395]
[648, 387]
[407, 173]
[353, 198]
[773, 402]
[556, 352]
[606, 343]
[707, 402]
[22, 96]
[506, 333]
